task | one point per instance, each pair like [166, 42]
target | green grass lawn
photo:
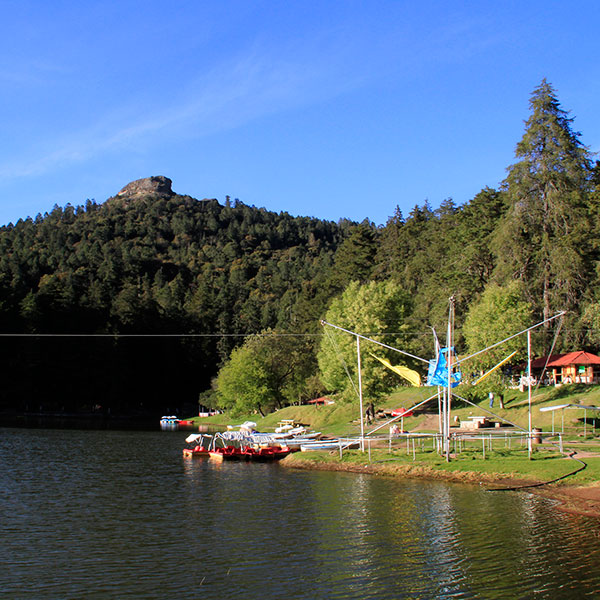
[342, 419]
[543, 466]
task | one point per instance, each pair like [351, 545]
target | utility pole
[360, 397]
[449, 361]
[529, 448]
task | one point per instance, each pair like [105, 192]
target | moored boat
[169, 422]
[270, 453]
[296, 442]
[317, 445]
[267, 454]
[227, 453]
[199, 449]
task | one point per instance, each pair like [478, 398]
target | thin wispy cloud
[263, 78]
[226, 97]
[351, 100]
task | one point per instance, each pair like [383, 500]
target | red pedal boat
[195, 452]
[228, 453]
[268, 454]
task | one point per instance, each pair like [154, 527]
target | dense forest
[172, 287]
[149, 261]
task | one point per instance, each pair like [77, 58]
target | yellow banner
[494, 368]
[411, 376]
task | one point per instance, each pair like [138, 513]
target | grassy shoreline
[545, 465]
[508, 466]
[342, 419]
[577, 495]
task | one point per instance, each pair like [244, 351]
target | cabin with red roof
[575, 367]
[322, 400]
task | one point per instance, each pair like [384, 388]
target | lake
[120, 514]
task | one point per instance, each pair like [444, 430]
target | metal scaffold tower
[444, 372]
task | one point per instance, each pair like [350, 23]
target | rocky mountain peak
[157, 186]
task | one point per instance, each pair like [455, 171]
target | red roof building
[542, 363]
[322, 400]
[576, 367]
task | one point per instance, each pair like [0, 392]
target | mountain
[149, 261]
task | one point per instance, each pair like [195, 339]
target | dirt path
[575, 500]
[430, 423]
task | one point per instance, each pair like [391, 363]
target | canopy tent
[564, 407]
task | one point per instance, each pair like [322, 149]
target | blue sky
[333, 109]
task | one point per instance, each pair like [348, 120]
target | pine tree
[542, 239]
[355, 257]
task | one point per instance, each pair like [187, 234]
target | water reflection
[415, 539]
[122, 514]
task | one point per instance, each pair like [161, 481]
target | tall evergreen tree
[542, 238]
[355, 257]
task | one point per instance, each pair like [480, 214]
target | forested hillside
[149, 261]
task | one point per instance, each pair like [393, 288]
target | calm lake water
[120, 514]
